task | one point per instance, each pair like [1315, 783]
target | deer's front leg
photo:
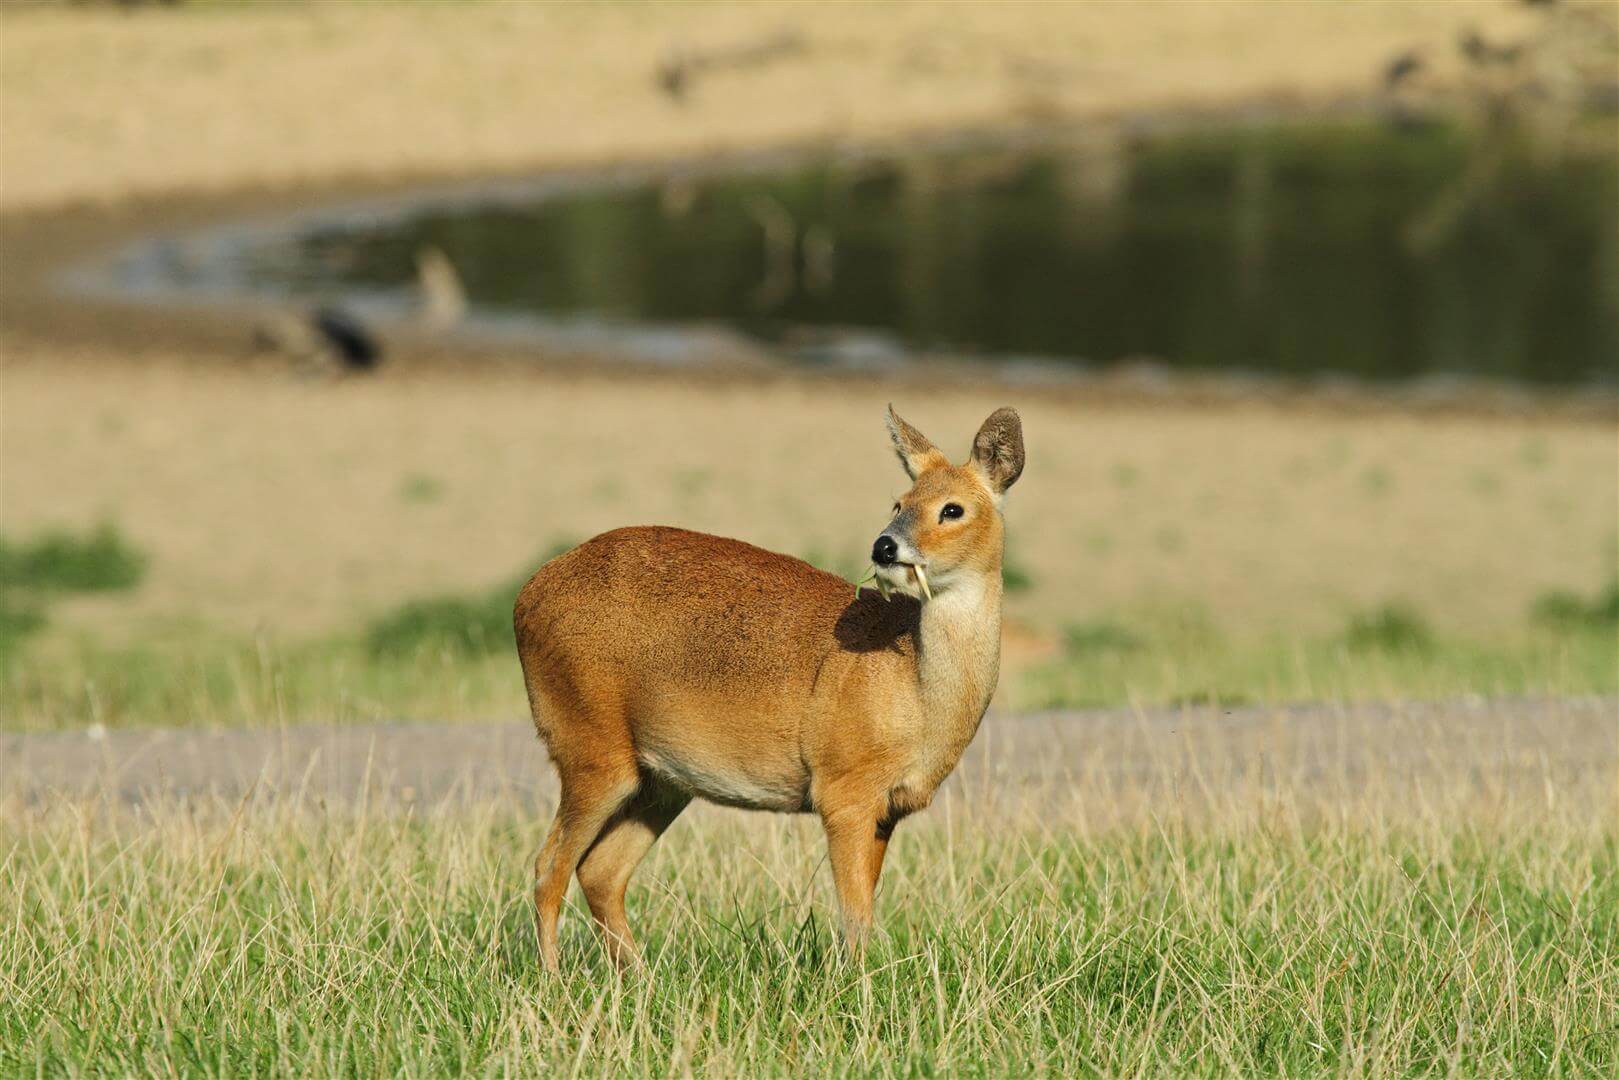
[856, 840]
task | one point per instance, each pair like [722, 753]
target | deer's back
[681, 606]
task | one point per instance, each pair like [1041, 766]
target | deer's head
[947, 528]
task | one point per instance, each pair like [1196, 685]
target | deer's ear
[915, 452]
[998, 450]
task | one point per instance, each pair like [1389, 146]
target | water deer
[664, 665]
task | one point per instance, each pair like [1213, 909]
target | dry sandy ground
[1119, 761]
[101, 105]
[269, 503]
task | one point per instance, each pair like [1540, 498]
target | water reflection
[1356, 249]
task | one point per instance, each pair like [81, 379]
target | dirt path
[1147, 755]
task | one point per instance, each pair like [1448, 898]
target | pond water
[1356, 249]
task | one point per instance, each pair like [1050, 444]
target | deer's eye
[951, 510]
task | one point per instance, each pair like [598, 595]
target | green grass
[34, 573]
[1565, 610]
[1206, 918]
[197, 681]
[454, 657]
[1392, 628]
[20, 618]
[478, 624]
[1107, 664]
[300, 940]
[101, 561]
[468, 625]
[1100, 637]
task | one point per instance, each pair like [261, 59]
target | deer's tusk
[922, 580]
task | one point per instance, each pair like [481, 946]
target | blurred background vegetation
[1312, 312]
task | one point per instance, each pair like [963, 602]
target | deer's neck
[958, 659]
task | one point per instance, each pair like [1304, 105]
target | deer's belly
[744, 760]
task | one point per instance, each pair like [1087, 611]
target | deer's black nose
[884, 551]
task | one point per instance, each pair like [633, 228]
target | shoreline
[99, 156]
[39, 311]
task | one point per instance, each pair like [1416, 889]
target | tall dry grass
[1418, 903]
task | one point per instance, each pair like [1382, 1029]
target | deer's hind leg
[605, 871]
[592, 793]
